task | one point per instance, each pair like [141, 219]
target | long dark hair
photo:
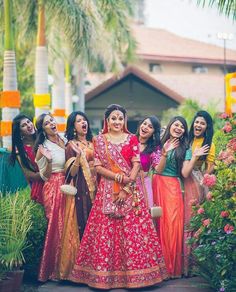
[17, 143]
[180, 151]
[70, 126]
[209, 132]
[154, 140]
[40, 137]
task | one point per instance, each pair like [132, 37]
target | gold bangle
[75, 164]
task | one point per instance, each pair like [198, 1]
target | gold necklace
[86, 144]
[119, 139]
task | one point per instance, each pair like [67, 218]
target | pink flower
[232, 144]
[227, 156]
[206, 222]
[209, 180]
[228, 228]
[227, 127]
[200, 211]
[223, 116]
[193, 202]
[197, 233]
[209, 196]
[224, 214]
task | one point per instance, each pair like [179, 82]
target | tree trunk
[9, 71]
[41, 98]
[68, 93]
[58, 94]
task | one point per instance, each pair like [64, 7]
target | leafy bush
[35, 239]
[214, 221]
[22, 230]
[15, 223]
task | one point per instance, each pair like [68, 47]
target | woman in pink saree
[120, 247]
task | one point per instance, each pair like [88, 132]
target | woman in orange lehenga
[120, 247]
[200, 134]
[176, 161]
[50, 157]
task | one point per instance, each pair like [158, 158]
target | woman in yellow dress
[200, 134]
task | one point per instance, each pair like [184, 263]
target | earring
[75, 134]
[153, 137]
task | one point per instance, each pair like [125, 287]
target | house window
[199, 69]
[155, 68]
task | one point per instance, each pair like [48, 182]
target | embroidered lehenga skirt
[119, 252]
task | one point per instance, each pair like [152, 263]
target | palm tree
[11, 97]
[228, 7]
[68, 93]
[41, 97]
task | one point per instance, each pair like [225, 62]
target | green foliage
[188, 109]
[214, 226]
[15, 223]
[35, 240]
[227, 7]
[22, 231]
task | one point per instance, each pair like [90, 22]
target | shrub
[35, 239]
[215, 228]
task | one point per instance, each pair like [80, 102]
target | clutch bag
[68, 189]
[156, 211]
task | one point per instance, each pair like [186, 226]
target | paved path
[194, 284]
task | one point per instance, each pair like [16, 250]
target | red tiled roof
[159, 44]
[142, 75]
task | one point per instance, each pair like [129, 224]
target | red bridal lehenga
[118, 252]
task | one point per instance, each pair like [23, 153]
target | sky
[186, 18]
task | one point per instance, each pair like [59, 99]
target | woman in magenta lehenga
[148, 134]
[120, 247]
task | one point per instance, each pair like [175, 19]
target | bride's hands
[121, 198]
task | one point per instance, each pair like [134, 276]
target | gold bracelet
[116, 177]
[75, 164]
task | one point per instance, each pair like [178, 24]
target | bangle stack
[163, 153]
[49, 160]
[119, 178]
[74, 164]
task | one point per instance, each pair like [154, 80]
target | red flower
[227, 127]
[224, 214]
[228, 228]
[200, 211]
[209, 180]
[209, 196]
[206, 222]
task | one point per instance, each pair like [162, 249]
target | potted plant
[15, 222]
